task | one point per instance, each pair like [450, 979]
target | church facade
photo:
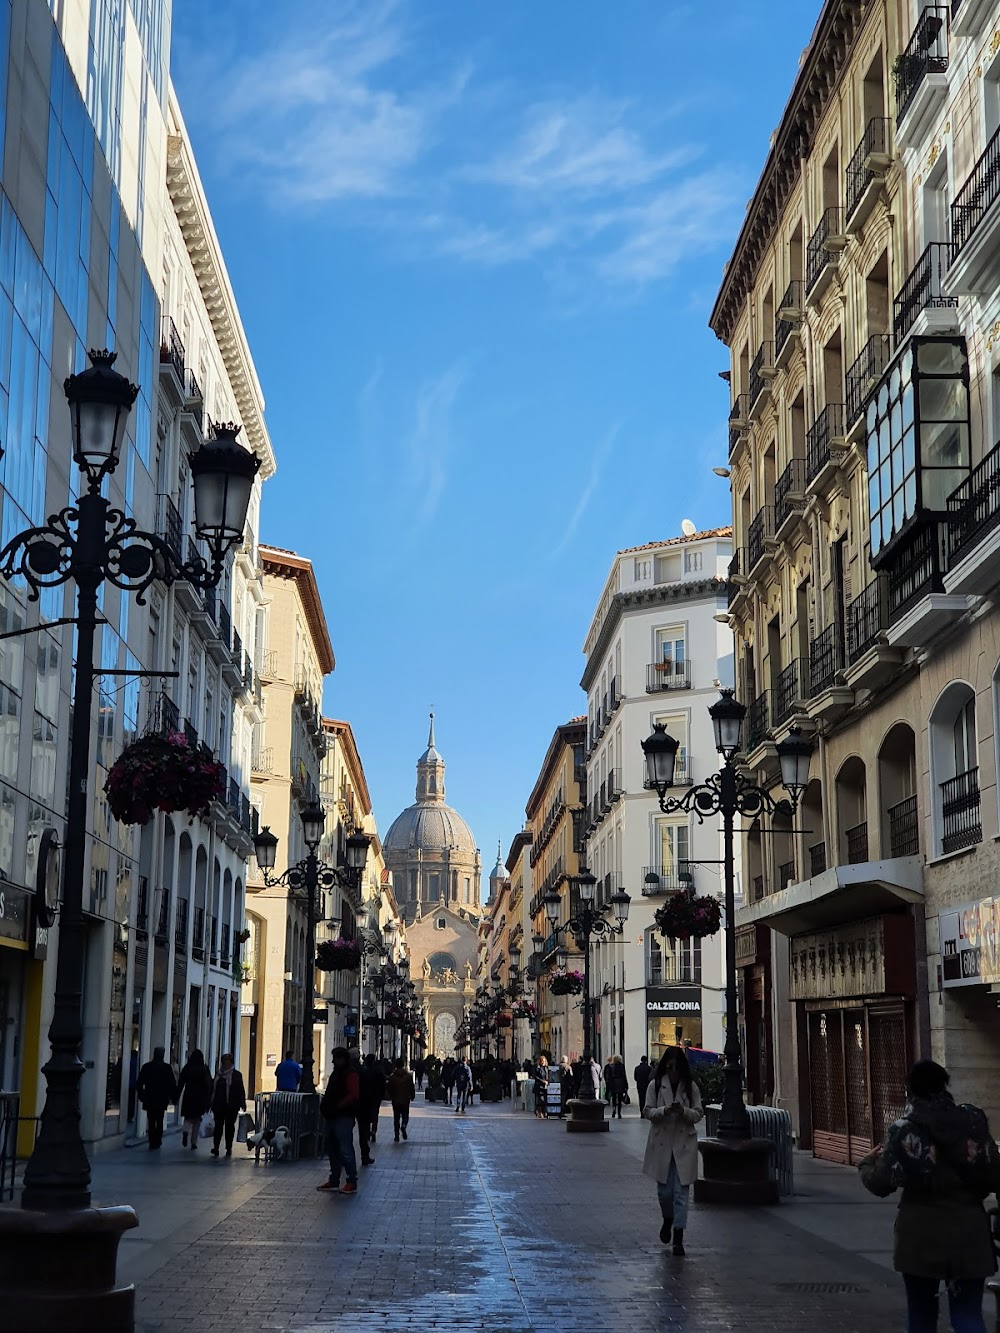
[437, 871]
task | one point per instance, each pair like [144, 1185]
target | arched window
[442, 962]
[954, 756]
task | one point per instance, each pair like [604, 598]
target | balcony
[974, 530]
[970, 17]
[736, 574]
[785, 875]
[758, 888]
[739, 422]
[920, 74]
[975, 227]
[823, 251]
[825, 446]
[761, 374]
[198, 935]
[194, 400]
[262, 761]
[668, 675]
[817, 859]
[171, 527]
[922, 305]
[856, 839]
[761, 531]
[829, 697]
[759, 720]
[786, 323]
[791, 688]
[656, 880]
[181, 926]
[866, 170]
[142, 907]
[789, 496]
[961, 823]
[870, 661]
[166, 716]
[172, 356]
[863, 376]
[904, 832]
[919, 608]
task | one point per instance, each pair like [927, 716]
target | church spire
[430, 771]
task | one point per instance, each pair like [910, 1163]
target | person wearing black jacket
[156, 1088]
[229, 1098]
[194, 1089]
[616, 1084]
[372, 1083]
[642, 1073]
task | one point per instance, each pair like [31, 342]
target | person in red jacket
[339, 1109]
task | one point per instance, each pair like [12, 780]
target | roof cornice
[823, 63]
[344, 732]
[191, 210]
[288, 565]
[567, 734]
[693, 590]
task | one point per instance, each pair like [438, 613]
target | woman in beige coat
[673, 1109]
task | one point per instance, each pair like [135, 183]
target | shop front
[853, 987]
[753, 970]
[673, 1018]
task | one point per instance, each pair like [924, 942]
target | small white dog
[275, 1144]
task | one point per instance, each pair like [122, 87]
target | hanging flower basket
[162, 773]
[685, 917]
[338, 956]
[394, 1018]
[566, 983]
[504, 1021]
[524, 1009]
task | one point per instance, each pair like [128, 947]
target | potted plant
[566, 983]
[162, 773]
[504, 1021]
[685, 916]
[338, 956]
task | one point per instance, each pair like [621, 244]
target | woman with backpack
[942, 1157]
[673, 1109]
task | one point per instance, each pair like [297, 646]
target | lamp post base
[586, 1116]
[57, 1271]
[736, 1171]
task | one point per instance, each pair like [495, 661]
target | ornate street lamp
[90, 543]
[735, 1164]
[308, 875]
[586, 1110]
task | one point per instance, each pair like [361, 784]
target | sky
[475, 245]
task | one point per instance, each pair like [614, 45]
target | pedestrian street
[492, 1221]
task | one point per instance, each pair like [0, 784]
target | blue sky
[475, 246]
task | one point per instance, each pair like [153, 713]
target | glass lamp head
[727, 714]
[265, 847]
[99, 403]
[660, 750]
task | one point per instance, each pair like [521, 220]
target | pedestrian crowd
[209, 1107]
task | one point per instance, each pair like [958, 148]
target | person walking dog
[943, 1159]
[229, 1098]
[673, 1108]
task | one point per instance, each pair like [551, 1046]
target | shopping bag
[626, 1099]
[243, 1126]
[208, 1127]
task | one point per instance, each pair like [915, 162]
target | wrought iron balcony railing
[761, 364]
[826, 658]
[974, 507]
[788, 316]
[922, 289]
[760, 529]
[904, 832]
[791, 686]
[819, 251]
[857, 843]
[875, 144]
[926, 53]
[171, 347]
[976, 197]
[960, 812]
[668, 675]
[867, 619]
[864, 374]
[789, 491]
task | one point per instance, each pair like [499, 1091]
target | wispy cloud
[430, 442]
[597, 461]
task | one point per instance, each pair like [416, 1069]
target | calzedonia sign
[671, 1001]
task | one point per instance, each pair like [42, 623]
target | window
[466, 890]
[917, 433]
[441, 962]
[954, 755]
[441, 923]
[671, 853]
[682, 962]
[677, 725]
[654, 961]
[670, 646]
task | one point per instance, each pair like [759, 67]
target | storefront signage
[869, 957]
[670, 1001]
[247, 1010]
[15, 912]
[970, 944]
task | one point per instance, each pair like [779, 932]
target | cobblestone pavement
[492, 1221]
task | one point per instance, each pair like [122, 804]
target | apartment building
[556, 812]
[655, 652]
[94, 162]
[286, 768]
[861, 436]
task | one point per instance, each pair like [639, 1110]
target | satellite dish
[688, 528]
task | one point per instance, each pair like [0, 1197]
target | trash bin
[298, 1112]
[773, 1124]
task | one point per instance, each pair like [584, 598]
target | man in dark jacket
[339, 1108]
[156, 1088]
[642, 1074]
[229, 1098]
[372, 1085]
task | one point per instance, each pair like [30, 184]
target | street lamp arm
[726, 789]
[93, 540]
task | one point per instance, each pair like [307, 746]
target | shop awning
[840, 894]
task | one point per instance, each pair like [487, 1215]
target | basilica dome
[429, 827]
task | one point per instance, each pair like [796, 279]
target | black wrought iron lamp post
[735, 1164]
[91, 543]
[587, 1109]
[515, 990]
[310, 875]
